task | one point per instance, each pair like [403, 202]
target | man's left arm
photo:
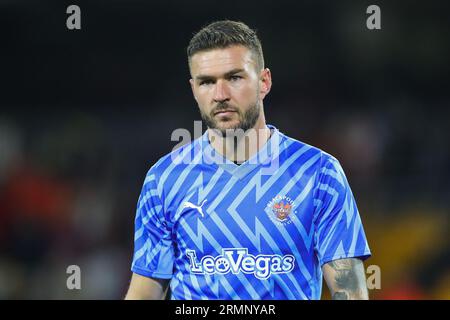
[346, 279]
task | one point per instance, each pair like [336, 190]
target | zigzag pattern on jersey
[203, 233]
[260, 232]
[174, 176]
[334, 183]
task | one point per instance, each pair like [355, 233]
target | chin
[223, 127]
[229, 125]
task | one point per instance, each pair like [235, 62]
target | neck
[239, 146]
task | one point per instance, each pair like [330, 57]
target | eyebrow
[226, 75]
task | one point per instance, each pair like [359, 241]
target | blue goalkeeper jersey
[259, 230]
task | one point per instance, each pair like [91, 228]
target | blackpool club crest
[280, 209]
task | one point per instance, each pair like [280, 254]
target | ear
[192, 88]
[265, 82]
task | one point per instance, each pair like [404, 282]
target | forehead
[221, 60]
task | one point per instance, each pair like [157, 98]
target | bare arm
[346, 279]
[144, 288]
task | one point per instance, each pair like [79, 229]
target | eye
[235, 78]
[206, 82]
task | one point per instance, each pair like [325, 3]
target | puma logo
[188, 204]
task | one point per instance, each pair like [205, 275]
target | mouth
[224, 112]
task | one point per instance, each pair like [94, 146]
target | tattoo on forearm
[349, 279]
[340, 296]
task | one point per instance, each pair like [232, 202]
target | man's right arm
[145, 288]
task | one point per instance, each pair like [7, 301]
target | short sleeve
[339, 230]
[153, 251]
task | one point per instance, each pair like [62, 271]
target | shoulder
[325, 167]
[177, 159]
[321, 158]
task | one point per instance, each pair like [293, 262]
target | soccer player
[244, 216]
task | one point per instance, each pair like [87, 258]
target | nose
[221, 91]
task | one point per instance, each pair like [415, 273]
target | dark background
[85, 113]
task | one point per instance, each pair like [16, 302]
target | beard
[247, 119]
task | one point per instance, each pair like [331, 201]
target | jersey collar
[262, 158]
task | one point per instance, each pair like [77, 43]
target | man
[248, 216]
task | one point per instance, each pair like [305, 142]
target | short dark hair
[223, 34]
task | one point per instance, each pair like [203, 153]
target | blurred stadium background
[84, 114]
